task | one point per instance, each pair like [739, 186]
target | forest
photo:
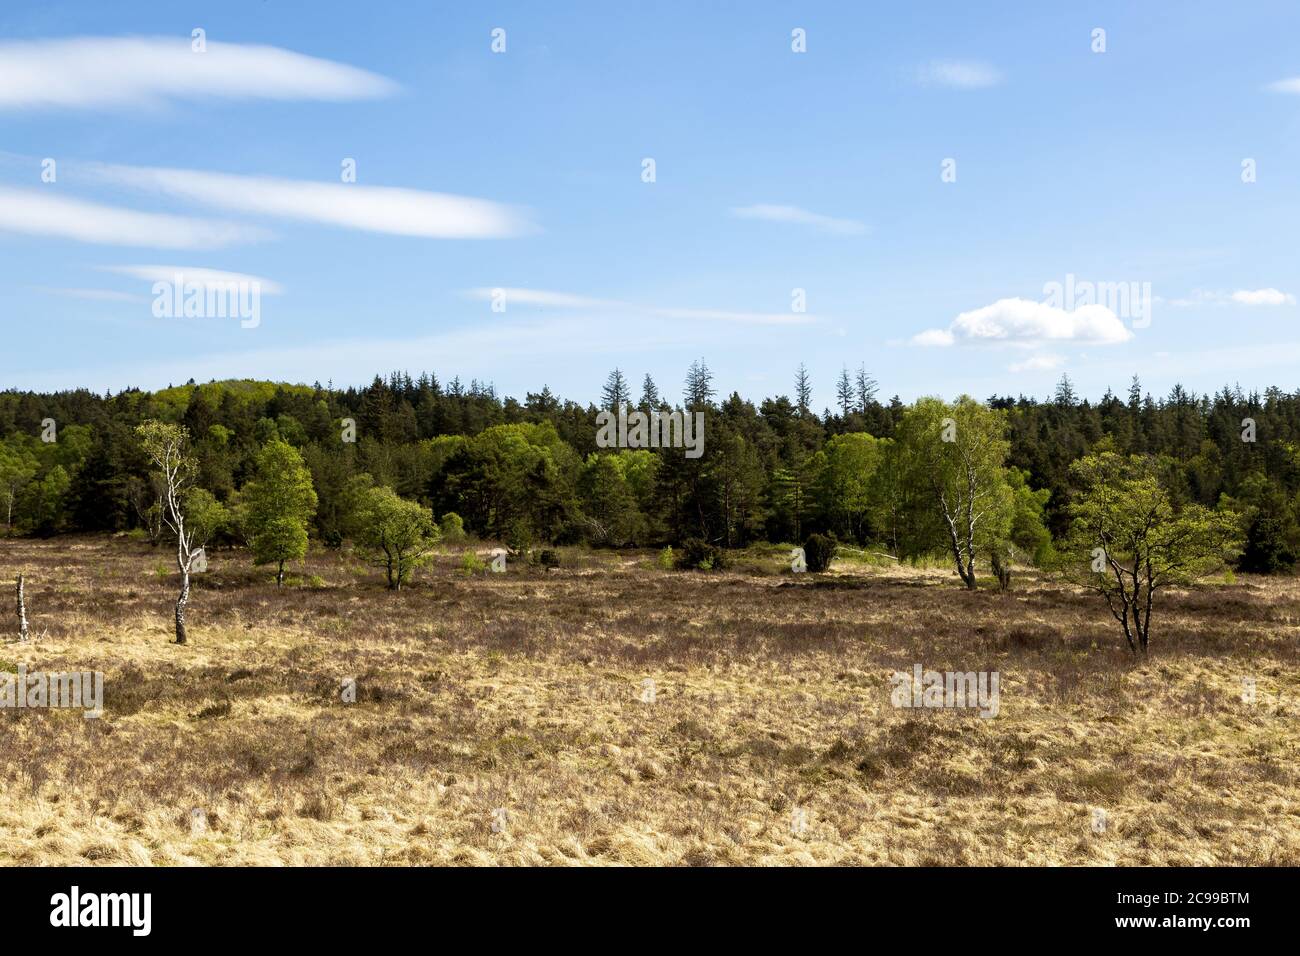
[530, 472]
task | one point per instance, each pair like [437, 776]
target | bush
[665, 559]
[819, 551]
[698, 555]
[471, 563]
[549, 558]
[452, 527]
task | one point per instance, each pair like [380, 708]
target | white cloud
[1037, 363]
[939, 337]
[542, 297]
[1262, 297]
[87, 72]
[386, 209]
[750, 318]
[960, 74]
[773, 213]
[1268, 296]
[94, 295]
[184, 275]
[1021, 322]
[1291, 85]
[40, 213]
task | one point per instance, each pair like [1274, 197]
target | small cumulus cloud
[1024, 323]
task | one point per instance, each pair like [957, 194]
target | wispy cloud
[960, 74]
[1290, 85]
[542, 297]
[1023, 323]
[197, 275]
[386, 209]
[774, 213]
[1043, 362]
[41, 213]
[1268, 296]
[547, 298]
[93, 295]
[86, 72]
[749, 318]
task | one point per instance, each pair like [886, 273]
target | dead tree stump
[22, 612]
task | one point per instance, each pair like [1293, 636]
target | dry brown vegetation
[524, 691]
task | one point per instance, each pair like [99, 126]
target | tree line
[531, 471]
[1152, 492]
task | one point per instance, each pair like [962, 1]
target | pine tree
[615, 394]
[699, 385]
[844, 391]
[1065, 397]
[649, 393]
[802, 391]
[866, 386]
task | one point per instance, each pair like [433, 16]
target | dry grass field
[526, 692]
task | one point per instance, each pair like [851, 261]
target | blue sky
[775, 171]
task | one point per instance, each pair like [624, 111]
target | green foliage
[846, 489]
[394, 534]
[1128, 541]
[818, 552]
[612, 511]
[278, 505]
[957, 452]
[452, 528]
[528, 471]
[699, 555]
[471, 563]
[665, 560]
[1028, 531]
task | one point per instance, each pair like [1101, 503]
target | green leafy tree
[394, 534]
[1127, 541]
[845, 489]
[279, 503]
[958, 453]
[17, 467]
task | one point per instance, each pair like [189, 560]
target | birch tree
[1128, 542]
[192, 514]
[958, 453]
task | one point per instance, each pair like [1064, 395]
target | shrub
[819, 551]
[665, 559]
[698, 555]
[452, 527]
[471, 563]
[549, 558]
